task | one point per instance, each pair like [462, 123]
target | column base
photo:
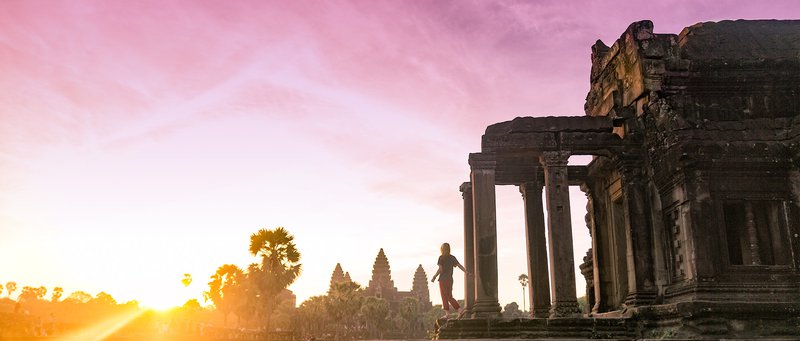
[486, 309]
[565, 309]
[544, 312]
[640, 298]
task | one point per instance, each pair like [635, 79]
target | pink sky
[140, 140]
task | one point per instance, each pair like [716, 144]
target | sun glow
[171, 297]
[105, 328]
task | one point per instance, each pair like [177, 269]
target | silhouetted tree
[11, 287]
[343, 305]
[312, 317]
[79, 297]
[186, 280]
[32, 294]
[103, 298]
[583, 304]
[511, 310]
[375, 311]
[225, 289]
[409, 311]
[284, 312]
[279, 266]
[251, 303]
[192, 305]
[57, 293]
[523, 281]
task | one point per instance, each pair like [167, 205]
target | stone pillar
[484, 217]
[590, 223]
[752, 234]
[559, 229]
[641, 284]
[469, 248]
[539, 293]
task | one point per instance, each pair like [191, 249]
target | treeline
[35, 314]
[345, 313]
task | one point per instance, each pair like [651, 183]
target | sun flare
[103, 329]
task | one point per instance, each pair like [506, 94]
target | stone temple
[382, 286]
[693, 193]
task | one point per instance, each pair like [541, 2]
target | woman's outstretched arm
[438, 271]
[463, 269]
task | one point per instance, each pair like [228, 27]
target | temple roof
[381, 272]
[741, 39]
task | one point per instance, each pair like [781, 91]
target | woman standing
[445, 273]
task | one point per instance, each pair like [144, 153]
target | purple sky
[140, 140]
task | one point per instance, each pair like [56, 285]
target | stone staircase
[537, 328]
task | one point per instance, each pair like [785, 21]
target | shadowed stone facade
[693, 193]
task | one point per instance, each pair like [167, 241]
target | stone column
[539, 293]
[559, 229]
[641, 284]
[590, 223]
[752, 234]
[484, 217]
[469, 248]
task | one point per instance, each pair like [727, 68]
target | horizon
[140, 142]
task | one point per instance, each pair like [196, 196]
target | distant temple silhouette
[382, 286]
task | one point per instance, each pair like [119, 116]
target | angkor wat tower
[693, 193]
[382, 286]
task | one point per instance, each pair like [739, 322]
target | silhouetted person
[445, 273]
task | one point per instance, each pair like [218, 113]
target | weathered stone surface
[716, 71]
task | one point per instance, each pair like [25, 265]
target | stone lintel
[577, 175]
[581, 143]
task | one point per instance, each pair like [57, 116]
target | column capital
[465, 188]
[481, 161]
[554, 158]
[535, 186]
[586, 190]
[630, 169]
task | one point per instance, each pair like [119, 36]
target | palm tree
[57, 293]
[375, 311]
[343, 304]
[312, 317]
[186, 280]
[523, 280]
[225, 290]
[11, 287]
[409, 311]
[279, 265]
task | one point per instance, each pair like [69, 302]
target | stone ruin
[693, 193]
